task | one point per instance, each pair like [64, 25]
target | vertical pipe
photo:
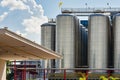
[86, 74]
[29, 71]
[109, 74]
[22, 74]
[64, 74]
[33, 76]
[47, 72]
[44, 75]
[29, 74]
[24, 70]
[15, 78]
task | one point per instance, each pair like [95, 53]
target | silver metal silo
[66, 40]
[48, 39]
[84, 45]
[98, 33]
[81, 56]
[116, 31]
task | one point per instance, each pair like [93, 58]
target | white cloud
[15, 5]
[24, 0]
[22, 34]
[32, 25]
[2, 17]
[35, 8]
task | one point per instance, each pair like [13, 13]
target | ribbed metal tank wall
[84, 45]
[110, 52]
[98, 42]
[66, 39]
[77, 46]
[116, 31]
[82, 56]
[48, 39]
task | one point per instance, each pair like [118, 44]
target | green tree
[9, 73]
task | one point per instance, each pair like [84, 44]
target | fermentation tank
[84, 41]
[116, 31]
[48, 39]
[98, 41]
[67, 40]
[82, 56]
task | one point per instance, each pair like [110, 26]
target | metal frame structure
[65, 71]
[88, 11]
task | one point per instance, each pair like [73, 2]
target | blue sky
[25, 16]
[51, 6]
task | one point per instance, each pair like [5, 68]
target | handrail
[88, 10]
[69, 68]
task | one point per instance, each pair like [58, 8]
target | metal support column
[64, 74]
[15, 76]
[86, 74]
[44, 75]
[24, 70]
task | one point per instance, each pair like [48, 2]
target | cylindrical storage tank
[78, 54]
[48, 39]
[84, 41]
[116, 31]
[66, 39]
[98, 33]
[82, 56]
[111, 52]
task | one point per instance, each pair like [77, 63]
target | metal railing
[89, 10]
[68, 74]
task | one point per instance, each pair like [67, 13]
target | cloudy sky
[25, 16]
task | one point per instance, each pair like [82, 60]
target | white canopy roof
[16, 47]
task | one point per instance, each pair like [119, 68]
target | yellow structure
[16, 47]
[83, 76]
[103, 78]
[60, 4]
